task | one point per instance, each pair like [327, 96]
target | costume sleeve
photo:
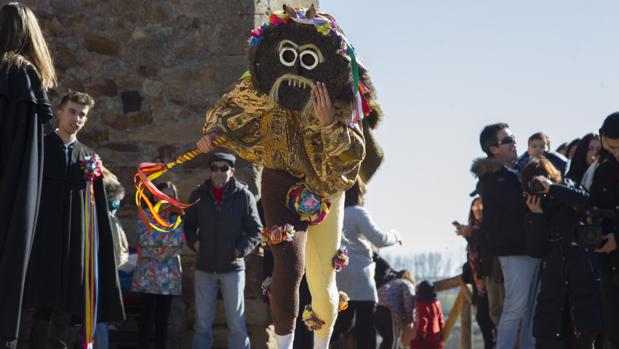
[335, 154]
[370, 231]
[235, 121]
[252, 227]
[190, 224]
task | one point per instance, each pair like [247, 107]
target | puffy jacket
[235, 224]
[570, 283]
[504, 207]
[429, 324]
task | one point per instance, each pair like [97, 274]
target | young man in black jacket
[503, 227]
[223, 227]
[605, 195]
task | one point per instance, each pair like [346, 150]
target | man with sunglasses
[503, 227]
[222, 228]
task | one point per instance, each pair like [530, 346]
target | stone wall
[154, 67]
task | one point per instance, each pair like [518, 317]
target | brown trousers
[289, 258]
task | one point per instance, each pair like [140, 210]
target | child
[158, 272]
[429, 320]
[539, 144]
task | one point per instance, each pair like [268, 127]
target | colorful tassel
[308, 205]
[343, 303]
[277, 234]
[147, 172]
[340, 260]
[311, 320]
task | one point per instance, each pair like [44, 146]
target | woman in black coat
[568, 305]
[26, 73]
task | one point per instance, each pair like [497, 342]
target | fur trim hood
[483, 166]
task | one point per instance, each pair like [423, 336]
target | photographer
[605, 195]
[568, 305]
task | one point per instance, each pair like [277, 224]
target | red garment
[218, 193]
[429, 323]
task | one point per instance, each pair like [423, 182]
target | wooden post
[465, 320]
[452, 317]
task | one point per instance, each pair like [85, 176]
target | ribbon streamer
[147, 172]
[92, 170]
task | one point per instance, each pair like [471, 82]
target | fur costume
[268, 118]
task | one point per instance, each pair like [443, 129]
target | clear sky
[444, 69]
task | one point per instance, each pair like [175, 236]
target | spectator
[539, 144]
[396, 306]
[568, 305]
[571, 148]
[429, 322]
[585, 155]
[157, 276]
[477, 252]
[503, 227]
[562, 149]
[26, 73]
[222, 228]
[361, 235]
[115, 193]
[605, 195]
[57, 260]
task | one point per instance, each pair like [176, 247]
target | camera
[590, 235]
[536, 187]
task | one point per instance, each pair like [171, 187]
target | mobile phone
[456, 224]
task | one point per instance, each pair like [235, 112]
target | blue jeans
[102, 335]
[232, 288]
[521, 274]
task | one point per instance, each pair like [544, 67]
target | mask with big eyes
[291, 58]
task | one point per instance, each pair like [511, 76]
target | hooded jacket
[234, 224]
[504, 207]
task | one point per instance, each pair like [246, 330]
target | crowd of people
[542, 240]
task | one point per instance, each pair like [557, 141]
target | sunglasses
[224, 168]
[506, 140]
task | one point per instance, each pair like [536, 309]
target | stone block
[101, 44]
[107, 88]
[152, 88]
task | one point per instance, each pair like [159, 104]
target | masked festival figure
[303, 111]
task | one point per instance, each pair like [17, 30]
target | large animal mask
[299, 47]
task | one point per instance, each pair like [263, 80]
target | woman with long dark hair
[586, 153]
[568, 304]
[26, 72]
[480, 260]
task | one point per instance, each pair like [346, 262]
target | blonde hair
[22, 42]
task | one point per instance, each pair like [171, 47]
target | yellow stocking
[323, 240]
